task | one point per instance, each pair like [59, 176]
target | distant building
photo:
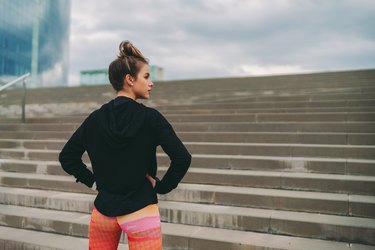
[94, 77]
[157, 73]
[100, 76]
[34, 38]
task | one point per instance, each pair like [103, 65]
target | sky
[193, 39]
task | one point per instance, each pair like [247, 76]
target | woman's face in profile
[142, 85]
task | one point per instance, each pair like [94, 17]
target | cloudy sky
[224, 38]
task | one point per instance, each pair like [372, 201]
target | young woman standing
[121, 139]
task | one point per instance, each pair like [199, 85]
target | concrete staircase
[286, 165]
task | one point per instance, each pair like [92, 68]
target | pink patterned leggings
[142, 227]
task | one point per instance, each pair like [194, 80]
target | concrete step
[11, 159]
[322, 127]
[275, 117]
[255, 117]
[249, 162]
[296, 224]
[340, 93]
[23, 239]
[52, 127]
[203, 93]
[32, 166]
[334, 95]
[195, 174]
[351, 81]
[333, 183]
[239, 137]
[301, 127]
[231, 161]
[243, 178]
[210, 110]
[284, 150]
[72, 110]
[285, 96]
[207, 138]
[190, 96]
[292, 150]
[87, 105]
[83, 105]
[273, 104]
[37, 135]
[32, 144]
[175, 236]
[289, 164]
[299, 201]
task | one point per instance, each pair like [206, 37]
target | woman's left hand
[152, 180]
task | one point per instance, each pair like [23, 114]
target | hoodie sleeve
[71, 157]
[178, 154]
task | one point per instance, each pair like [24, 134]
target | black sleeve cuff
[86, 177]
[159, 187]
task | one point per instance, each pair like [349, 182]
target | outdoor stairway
[268, 172]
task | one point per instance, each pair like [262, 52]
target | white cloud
[256, 70]
[74, 79]
[218, 38]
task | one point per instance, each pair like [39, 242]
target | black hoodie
[121, 140]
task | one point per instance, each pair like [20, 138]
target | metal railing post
[23, 78]
[24, 101]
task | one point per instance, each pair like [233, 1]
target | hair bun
[127, 49]
[128, 61]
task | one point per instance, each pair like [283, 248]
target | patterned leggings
[142, 227]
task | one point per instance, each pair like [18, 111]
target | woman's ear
[128, 80]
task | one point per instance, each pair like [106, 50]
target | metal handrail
[23, 78]
[14, 81]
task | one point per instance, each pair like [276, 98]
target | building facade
[34, 38]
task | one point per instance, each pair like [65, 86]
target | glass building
[34, 38]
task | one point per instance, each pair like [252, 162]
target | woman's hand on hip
[152, 180]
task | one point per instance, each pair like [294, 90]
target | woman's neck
[126, 94]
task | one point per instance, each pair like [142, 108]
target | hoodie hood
[121, 119]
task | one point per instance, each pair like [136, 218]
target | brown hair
[128, 61]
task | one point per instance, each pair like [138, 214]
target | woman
[121, 139]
